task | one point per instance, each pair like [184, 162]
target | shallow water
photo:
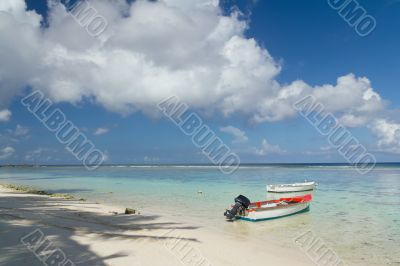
[357, 216]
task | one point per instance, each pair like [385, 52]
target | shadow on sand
[62, 223]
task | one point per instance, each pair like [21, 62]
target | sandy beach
[199, 133]
[89, 233]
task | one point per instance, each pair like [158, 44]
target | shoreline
[90, 233]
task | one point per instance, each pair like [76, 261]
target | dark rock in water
[130, 211]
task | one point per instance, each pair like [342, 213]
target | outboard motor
[241, 204]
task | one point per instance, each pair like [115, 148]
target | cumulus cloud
[388, 134]
[15, 135]
[101, 131]
[6, 152]
[154, 49]
[5, 115]
[36, 154]
[324, 150]
[352, 99]
[350, 120]
[18, 10]
[21, 131]
[239, 135]
[268, 148]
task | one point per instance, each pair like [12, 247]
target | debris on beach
[26, 189]
[130, 211]
[62, 196]
[34, 191]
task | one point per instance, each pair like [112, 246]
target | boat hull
[275, 213]
[291, 187]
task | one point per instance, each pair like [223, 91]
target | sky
[239, 65]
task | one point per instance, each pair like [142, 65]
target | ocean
[357, 216]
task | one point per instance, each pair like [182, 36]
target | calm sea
[357, 216]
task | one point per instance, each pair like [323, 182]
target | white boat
[295, 187]
[271, 209]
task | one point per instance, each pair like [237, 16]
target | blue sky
[307, 39]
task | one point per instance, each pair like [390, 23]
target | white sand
[89, 234]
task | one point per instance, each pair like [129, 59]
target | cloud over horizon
[6, 152]
[238, 134]
[154, 49]
[268, 149]
[101, 131]
[388, 133]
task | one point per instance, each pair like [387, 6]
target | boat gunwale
[276, 207]
[312, 183]
[274, 191]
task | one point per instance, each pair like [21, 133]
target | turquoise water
[357, 216]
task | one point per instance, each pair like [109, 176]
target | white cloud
[5, 115]
[267, 148]
[17, 9]
[388, 134]
[350, 120]
[205, 59]
[352, 99]
[20, 47]
[6, 152]
[324, 150]
[106, 156]
[101, 131]
[240, 135]
[15, 135]
[42, 155]
[35, 154]
[21, 131]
